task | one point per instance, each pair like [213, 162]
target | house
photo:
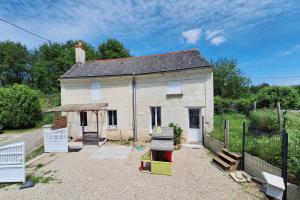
[128, 97]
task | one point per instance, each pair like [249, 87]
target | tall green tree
[13, 62]
[50, 61]
[229, 81]
[113, 48]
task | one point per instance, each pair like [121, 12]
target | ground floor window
[155, 116]
[112, 118]
[83, 118]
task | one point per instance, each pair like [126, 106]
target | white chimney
[79, 53]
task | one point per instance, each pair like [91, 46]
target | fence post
[226, 133]
[203, 129]
[254, 106]
[284, 157]
[243, 146]
[278, 116]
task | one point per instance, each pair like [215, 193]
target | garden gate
[12, 163]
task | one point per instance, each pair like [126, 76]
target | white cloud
[218, 40]
[294, 49]
[210, 34]
[215, 37]
[192, 36]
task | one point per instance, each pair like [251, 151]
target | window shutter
[95, 91]
[174, 87]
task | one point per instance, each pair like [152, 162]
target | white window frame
[95, 91]
[151, 130]
[175, 87]
[112, 126]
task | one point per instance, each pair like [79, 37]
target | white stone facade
[151, 90]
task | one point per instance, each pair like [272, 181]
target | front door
[194, 132]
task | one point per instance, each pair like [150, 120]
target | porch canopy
[88, 137]
[79, 107]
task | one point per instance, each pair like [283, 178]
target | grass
[19, 131]
[267, 147]
[35, 153]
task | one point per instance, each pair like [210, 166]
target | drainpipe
[134, 106]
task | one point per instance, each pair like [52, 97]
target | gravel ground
[77, 176]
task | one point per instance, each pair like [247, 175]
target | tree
[229, 81]
[112, 48]
[50, 61]
[13, 62]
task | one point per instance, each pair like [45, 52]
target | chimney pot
[79, 53]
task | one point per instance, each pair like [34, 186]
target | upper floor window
[95, 91]
[174, 87]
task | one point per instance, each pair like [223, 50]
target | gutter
[134, 107]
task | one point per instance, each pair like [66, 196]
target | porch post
[97, 128]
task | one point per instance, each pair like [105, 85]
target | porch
[90, 136]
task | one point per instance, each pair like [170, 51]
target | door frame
[200, 136]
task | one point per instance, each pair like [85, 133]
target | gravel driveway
[80, 177]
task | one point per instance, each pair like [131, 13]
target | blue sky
[263, 35]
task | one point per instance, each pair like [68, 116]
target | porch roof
[79, 107]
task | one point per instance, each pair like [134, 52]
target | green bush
[223, 105]
[269, 96]
[264, 120]
[19, 107]
[177, 133]
[245, 105]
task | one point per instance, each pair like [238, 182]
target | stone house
[138, 94]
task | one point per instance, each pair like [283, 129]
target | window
[95, 91]
[194, 118]
[83, 118]
[174, 87]
[112, 118]
[155, 117]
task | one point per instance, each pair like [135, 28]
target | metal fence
[265, 153]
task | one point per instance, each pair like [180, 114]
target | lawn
[267, 147]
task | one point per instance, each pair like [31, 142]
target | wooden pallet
[227, 160]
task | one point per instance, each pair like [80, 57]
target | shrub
[19, 107]
[223, 105]
[177, 133]
[269, 96]
[245, 105]
[264, 120]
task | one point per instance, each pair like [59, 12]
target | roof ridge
[162, 54]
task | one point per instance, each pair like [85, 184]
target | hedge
[19, 107]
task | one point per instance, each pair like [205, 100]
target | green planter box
[163, 168]
[158, 167]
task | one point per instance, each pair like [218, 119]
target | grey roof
[175, 61]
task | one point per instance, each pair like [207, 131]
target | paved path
[80, 177]
[32, 139]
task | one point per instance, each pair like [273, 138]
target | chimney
[79, 53]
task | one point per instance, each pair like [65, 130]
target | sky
[262, 35]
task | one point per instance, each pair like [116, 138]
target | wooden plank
[227, 158]
[60, 122]
[225, 165]
[232, 154]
